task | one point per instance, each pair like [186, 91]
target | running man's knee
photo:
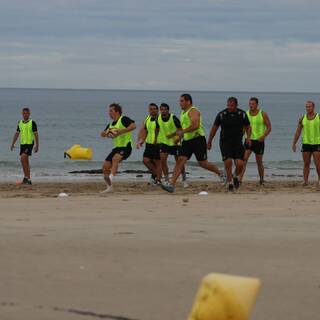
[106, 167]
[203, 163]
[146, 161]
[228, 163]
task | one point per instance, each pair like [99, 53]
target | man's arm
[297, 135]
[142, 134]
[248, 131]
[36, 137]
[105, 132]
[212, 134]
[268, 125]
[14, 140]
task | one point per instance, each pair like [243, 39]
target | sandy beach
[141, 253]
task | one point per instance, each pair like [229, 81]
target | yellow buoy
[224, 297]
[76, 152]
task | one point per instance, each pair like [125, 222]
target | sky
[230, 45]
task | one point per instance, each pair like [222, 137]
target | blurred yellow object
[224, 297]
[76, 152]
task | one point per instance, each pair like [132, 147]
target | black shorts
[125, 152]
[172, 150]
[196, 146]
[152, 151]
[257, 147]
[26, 149]
[231, 150]
[310, 148]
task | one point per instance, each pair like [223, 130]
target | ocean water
[67, 117]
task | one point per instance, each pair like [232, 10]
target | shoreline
[93, 188]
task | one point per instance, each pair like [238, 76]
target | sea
[66, 117]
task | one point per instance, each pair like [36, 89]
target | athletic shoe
[236, 182]
[156, 183]
[185, 184]
[26, 181]
[168, 187]
[152, 179]
[223, 179]
[230, 187]
[108, 190]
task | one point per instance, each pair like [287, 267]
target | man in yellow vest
[120, 131]
[28, 131]
[260, 129]
[148, 134]
[309, 126]
[168, 124]
[194, 142]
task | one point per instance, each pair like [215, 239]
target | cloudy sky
[245, 45]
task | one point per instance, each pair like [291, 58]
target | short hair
[116, 107]
[187, 97]
[310, 101]
[233, 99]
[25, 109]
[153, 105]
[165, 105]
[254, 99]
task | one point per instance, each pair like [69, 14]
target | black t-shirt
[126, 121]
[176, 121]
[34, 126]
[232, 125]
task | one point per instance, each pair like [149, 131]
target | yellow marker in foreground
[224, 297]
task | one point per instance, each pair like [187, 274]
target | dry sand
[140, 254]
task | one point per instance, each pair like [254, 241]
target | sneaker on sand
[108, 190]
[168, 187]
[236, 182]
[230, 187]
[223, 180]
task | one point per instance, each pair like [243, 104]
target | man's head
[25, 113]
[253, 104]
[310, 107]
[185, 101]
[232, 104]
[164, 109]
[115, 111]
[153, 110]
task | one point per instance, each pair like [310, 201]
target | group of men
[163, 134]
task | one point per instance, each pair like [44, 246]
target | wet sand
[141, 253]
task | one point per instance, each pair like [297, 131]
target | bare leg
[306, 168]
[183, 173]
[164, 164]
[178, 169]
[259, 160]
[316, 158]
[228, 169]
[210, 166]
[24, 159]
[117, 158]
[158, 169]
[247, 155]
[106, 169]
[239, 166]
[150, 165]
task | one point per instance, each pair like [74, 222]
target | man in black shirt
[233, 122]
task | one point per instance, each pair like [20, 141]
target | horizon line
[158, 90]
